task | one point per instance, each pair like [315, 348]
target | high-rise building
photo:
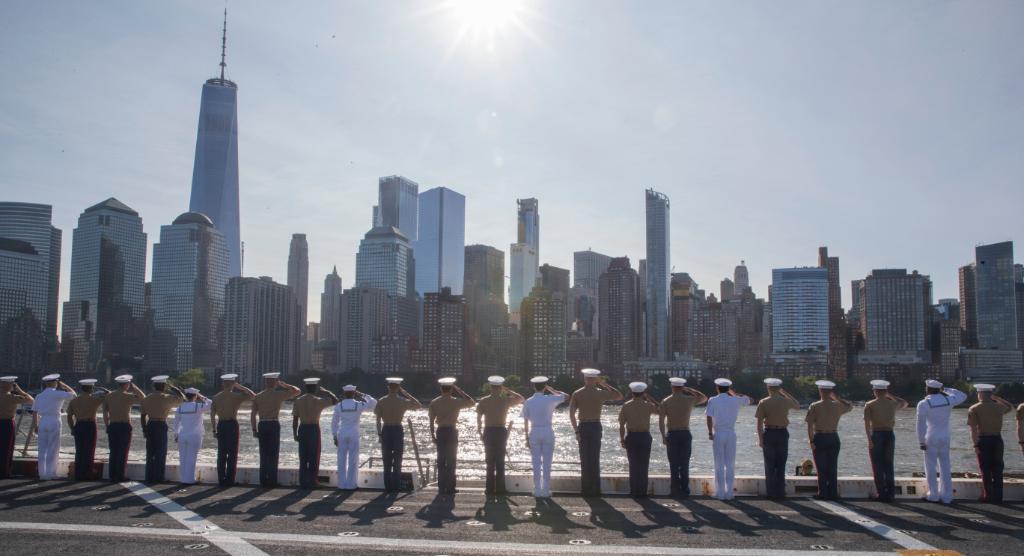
[587, 268]
[727, 289]
[398, 205]
[442, 349]
[24, 287]
[659, 266]
[190, 274]
[32, 224]
[684, 299]
[707, 331]
[1019, 292]
[619, 304]
[385, 261]
[298, 272]
[968, 314]
[800, 310]
[330, 308]
[440, 247]
[995, 296]
[215, 172]
[365, 317]
[261, 325]
[108, 270]
[484, 271]
[837, 350]
[741, 278]
[896, 312]
[525, 270]
[484, 291]
[543, 333]
[528, 230]
[946, 346]
[948, 308]
[557, 280]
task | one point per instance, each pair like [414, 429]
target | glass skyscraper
[23, 297]
[799, 310]
[659, 267]
[995, 296]
[440, 247]
[385, 261]
[398, 205]
[529, 223]
[32, 223]
[524, 255]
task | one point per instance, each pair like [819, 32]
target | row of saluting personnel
[188, 407]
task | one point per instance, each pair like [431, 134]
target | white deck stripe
[898, 537]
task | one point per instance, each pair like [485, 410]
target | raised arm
[616, 395]
[239, 387]
[330, 395]
[903, 404]
[516, 397]
[956, 397]
[25, 396]
[408, 396]
[293, 391]
[701, 397]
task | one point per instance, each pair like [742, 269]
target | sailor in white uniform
[933, 435]
[48, 424]
[345, 429]
[722, 412]
[540, 437]
[188, 432]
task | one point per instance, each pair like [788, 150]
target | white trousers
[348, 459]
[724, 448]
[542, 448]
[48, 445]
[937, 454]
[188, 452]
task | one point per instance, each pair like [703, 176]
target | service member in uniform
[46, 421]
[822, 423]
[491, 417]
[585, 417]
[82, 422]
[265, 424]
[635, 436]
[348, 414]
[117, 418]
[11, 397]
[224, 424]
[390, 411]
[773, 435]
[188, 432]
[306, 428]
[879, 421]
[986, 421]
[443, 413]
[721, 413]
[153, 412]
[674, 424]
[540, 436]
[933, 435]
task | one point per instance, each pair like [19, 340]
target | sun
[486, 22]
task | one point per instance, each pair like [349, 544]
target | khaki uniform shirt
[267, 404]
[308, 407]
[636, 415]
[445, 409]
[589, 400]
[9, 402]
[494, 409]
[677, 409]
[119, 404]
[84, 407]
[881, 413]
[775, 410]
[158, 405]
[391, 409]
[988, 416]
[825, 414]
[225, 404]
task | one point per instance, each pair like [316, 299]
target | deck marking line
[898, 537]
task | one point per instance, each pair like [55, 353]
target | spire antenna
[223, 44]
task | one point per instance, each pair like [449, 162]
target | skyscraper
[896, 312]
[23, 297]
[190, 274]
[298, 273]
[799, 310]
[968, 314]
[443, 347]
[31, 223]
[215, 172]
[484, 292]
[440, 247]
[260, 329]
[524, 273]
[618, 302]
[557, 281]
[365, 317]
[684, 300]
[398, 205]
[741, 278]
[587, 268]
[484, 271]
[837, 352]
[330, 307]
[995, 296]
[385, 261]
[727, 289]
[658, 307]
[528, 230]
[542, 333]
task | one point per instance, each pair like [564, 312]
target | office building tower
[215, 172]
[298, 272]
[440, 247]
[741, 278]
[948, 309]
[442, 349]
[190, 274]
[484, 291]
[330, 308]
[726, 289]
[799, 299]
[542, 333]
[525, 270]
[749, 330]
[484, 271]
[707, 331]
[398, 205]
[261, 327]
[683, 304]
[385, 261]
[968, 314]
[582, 307]
[528, 229]
[896, 312]
[659, 265]
[32, 224]
[365, 317]
[995, 296]
[620, 334]
[836, 319]
[24, 289]
[587, 268]
[557, 280]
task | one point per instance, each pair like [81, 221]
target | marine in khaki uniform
[153, 411]
[585, 418]
[11, 397]
[635, 436]
[390, 411]
[674, 425]
[879, 421]
[773, 435]
[81, 418]
[986, 421]
[306, 428]
[266, 427]
[117, 417]
[443, 413]
[491, 417]
[224, 424]
[822, 422]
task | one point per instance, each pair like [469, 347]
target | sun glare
[485, 16]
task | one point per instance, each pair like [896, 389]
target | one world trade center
[215, 174]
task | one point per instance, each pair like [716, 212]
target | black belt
[990, 436]
[824, 432]
[268, 420]
[881, 430]
[774, 428]
[446, 426]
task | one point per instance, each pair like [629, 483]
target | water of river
[853, 458]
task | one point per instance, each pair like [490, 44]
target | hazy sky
[893, 132]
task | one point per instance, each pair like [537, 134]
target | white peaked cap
[446, 381]
[932, 383]
[191, 390]
[677, 381]
[394, 380]
[773, 381]
[591, 372]
[638, 386]
[271, 375]
[229, 376]
[50, 378]
[985, 387]
[87, 381]
[313, 380]
[723, 382]
[8, 378]
[348, 388]
[539, 379]
[495, 380]
[123, 379]
[880, 384]
[160, 378]
[825, 384]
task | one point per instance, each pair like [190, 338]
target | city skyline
[140, 148]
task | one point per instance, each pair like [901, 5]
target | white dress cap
[933, 383]
[123, 379]
[495, 380]
[539, 379]
[985, 387]
[160, 378]
[191, 390]
[229, 376]
[723, 382]
[591, 372]
[637, 386]
[313, 380]
[394, 380]
[773, 381]
[87, 381]
[50, 378]
[8, 378]
[271, 375]
[880, 384]
[446, 381]
[825, 384]
[348, 388]
[676, 381]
